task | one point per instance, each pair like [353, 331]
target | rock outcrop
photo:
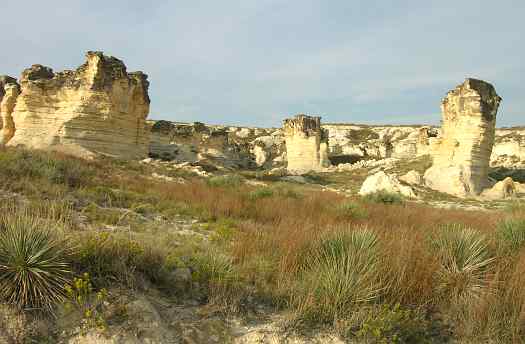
[99, 108]
[462, 153]
[381, 181]
[505, 188]
[306, 144]
[412, 178]
[9, 91]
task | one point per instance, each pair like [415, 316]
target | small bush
[33, 263]
[511, 235]
[385, 197]
[110, 258]
[393, 324]
[338, 274]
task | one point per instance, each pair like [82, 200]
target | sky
[256, 62]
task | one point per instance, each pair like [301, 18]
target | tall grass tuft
[511, 235]
[464, 260]
[33, 263]
[338, 274]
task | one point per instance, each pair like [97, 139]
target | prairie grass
[324, 257]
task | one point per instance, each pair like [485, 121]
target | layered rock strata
[219, 146]
[99, 108]
[461, 155]
[306, 144]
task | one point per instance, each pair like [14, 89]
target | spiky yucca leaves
[338, 274]
[464, 260]
[33, 265]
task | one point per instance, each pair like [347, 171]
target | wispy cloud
[256, 61]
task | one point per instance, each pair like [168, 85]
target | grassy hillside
[76, 237]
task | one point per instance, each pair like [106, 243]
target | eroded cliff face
[9, 91]
[216, 146]
[462, 153]
[99, 108]
[306, 144]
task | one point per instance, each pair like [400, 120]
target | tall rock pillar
[9, 91]
[306, 144]
[462, 153]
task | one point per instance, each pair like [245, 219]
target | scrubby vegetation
[74, 232]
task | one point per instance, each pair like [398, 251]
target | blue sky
[254, 62]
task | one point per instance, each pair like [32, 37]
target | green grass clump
[464, 259]
[338, 274]
[351, 210]
[384, 197]
[33, 263]
[57, 169]
[110, 258]
[511, 235]
[230, 181]
[260, 193]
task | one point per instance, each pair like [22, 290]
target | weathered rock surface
[9, 91]
[306, 144]
[412, 177]
[462, 153]
[222, 147]
[381, 181]
[99, 108]
[505, 188]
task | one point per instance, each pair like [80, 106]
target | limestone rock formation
[99, 108]
[412, 178]
[306, 144]
[462, 153]
[381, 181]
[9, 91]
[505, 188]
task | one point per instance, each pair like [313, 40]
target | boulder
[381, 181]
[412, 178]
[505, 188]
[98, 109]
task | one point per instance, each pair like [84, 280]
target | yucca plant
[464, 260]
[338, 274]
[33, 263]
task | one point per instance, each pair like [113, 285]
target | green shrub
[511, 235]
[16, 163]
[225, 181]
[338, 274]
[33, 263]
[464, 260]
[385, 197]
[117, 258]
[351, 210]
[392, 324]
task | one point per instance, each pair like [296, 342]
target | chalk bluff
[306, 144]
[461, 155]
[98, 109]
